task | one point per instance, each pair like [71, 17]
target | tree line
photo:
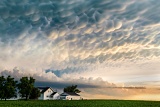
[9, 88]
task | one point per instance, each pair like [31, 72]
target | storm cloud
[59, 39]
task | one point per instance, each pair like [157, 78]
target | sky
[109, 48]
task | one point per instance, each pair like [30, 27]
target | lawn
[82, 103]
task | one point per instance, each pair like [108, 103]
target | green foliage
[72, 88]
[2, 83]
[8, 87]
[26, 86]
[35, 93]
[81, 103]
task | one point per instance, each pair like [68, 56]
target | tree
[2, 82]
[72, 88]
[35, 93]
[26, 86]
[8, 87]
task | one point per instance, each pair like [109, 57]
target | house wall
[56, 96]
[73, 97]
[41, 97]
[63, 97]
[69, 97]
[66, 96]
[47, 94]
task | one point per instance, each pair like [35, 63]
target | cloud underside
[95, 87]
[79, 32]
[78, 38]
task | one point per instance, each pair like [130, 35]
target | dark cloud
[60, 85]
[76, 36]
[59, 73]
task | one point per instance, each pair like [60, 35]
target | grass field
[82, 103]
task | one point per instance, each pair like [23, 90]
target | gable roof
[53, 93]
[70, 93]
[44, 89]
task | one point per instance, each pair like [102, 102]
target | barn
[70, 96]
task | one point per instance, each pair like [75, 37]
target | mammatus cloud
[52, 39]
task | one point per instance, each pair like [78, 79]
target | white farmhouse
[47, 93]
[70, 96]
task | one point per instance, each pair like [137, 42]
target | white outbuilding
[47, 93]
[70, 96]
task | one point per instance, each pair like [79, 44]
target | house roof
[53, 93]
[70, 93]
[43, 89]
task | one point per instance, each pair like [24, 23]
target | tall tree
[8, 87]
[35, 93]
[72, 88]
[2, 82]
[25, 86]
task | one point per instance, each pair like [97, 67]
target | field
[82, 103]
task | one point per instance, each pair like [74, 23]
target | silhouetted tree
[35, 93]
[72, 88]
[8, 87]
[26, 86]
[2, 82]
